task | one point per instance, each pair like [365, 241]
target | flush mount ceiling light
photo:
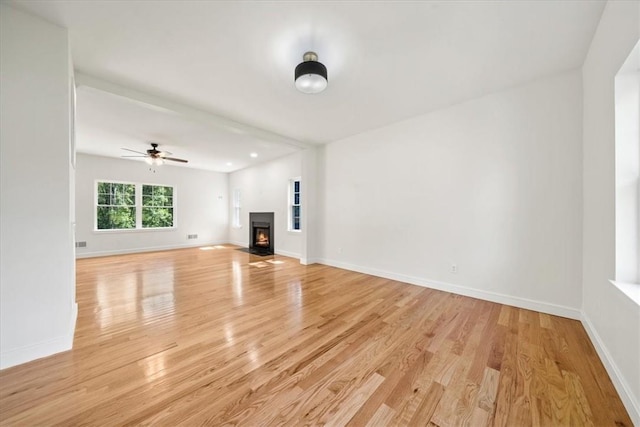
[311, 75]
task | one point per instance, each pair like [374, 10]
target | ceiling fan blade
[134, 156]
[173, 159]
[164, 153]
[134, 151]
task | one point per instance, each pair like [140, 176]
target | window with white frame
[236, 208]
[294, 204]
[157, 206]
[627, 164]
[131, 206]
[115, 206]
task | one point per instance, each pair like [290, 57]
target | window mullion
[138, 206]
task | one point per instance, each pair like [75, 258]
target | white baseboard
[27, 353]
[287, 253]
[166, 248]
[147, 249]
[529, 304]
[622, 387]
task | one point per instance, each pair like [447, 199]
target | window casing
[157, 206]
[295, 205]
[115, 206]
[236, 209]
[134, 206]
[627, 170]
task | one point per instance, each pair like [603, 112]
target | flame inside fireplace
[262, 239]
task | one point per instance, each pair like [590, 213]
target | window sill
[134, 230]
[294, 231]
[632, 290]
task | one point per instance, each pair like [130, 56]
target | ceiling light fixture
[311, 75]
[254, 155]
[154, 161]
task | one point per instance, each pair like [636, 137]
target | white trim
[631, 290]
[287, 253]
[236, 209]
[18, 356]
[529, 304]
[147, 249]
[617, 378]
[133, 230]
[290, 201]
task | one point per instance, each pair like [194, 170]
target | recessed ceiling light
[254, 155]
[229, 163]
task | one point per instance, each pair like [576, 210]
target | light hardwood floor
[197, 337]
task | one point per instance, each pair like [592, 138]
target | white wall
[37, 289]
[264, 188]
[201, 206]
[492, 185]
[611, 317]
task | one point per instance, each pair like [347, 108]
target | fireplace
[261, 233]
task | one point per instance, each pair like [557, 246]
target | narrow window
[294, 204]
[236, 208]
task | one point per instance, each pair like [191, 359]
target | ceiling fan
[154, 156]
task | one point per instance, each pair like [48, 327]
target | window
[294, 204]
[157, 206]
[627, 164]
[236, 208]
[130, 206]
[627, 151]
[116, 206]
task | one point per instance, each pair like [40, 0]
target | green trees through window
[118, 206]
[157, 206]
[294, 204]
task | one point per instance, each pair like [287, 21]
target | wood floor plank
[382, 417]
[222, 337]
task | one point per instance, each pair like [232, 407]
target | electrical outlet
[454, 268]
[339, 250]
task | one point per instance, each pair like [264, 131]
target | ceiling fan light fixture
[154, 157]
[311, 75]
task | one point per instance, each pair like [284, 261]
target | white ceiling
[106, 123]
[387, 61]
